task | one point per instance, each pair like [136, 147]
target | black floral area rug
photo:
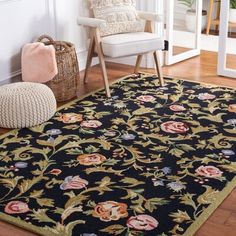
[151, 160]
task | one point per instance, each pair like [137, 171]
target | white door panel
[171, 33]
[223, 40]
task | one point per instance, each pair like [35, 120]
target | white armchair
[123, 45]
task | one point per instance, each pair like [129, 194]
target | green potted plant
[232, 11]
[190, 17]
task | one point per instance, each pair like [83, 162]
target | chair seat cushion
[25, 104]
[121, 45]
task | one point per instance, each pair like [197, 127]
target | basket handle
[50, 40]
[42, 37]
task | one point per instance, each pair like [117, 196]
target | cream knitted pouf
[25, 104]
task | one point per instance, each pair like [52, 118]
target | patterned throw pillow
[120, 15]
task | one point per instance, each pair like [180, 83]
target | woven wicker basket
[64, 84]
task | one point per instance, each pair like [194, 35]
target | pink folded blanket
[38, 62]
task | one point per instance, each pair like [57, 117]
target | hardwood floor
[202, 69]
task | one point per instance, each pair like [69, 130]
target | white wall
[67, 28]
[21, 21]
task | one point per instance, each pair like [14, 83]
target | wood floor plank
[214, 229]
[231, 221]
[220, 216]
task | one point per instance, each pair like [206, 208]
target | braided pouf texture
[25, 104]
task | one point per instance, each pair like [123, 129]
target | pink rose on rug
[174, 127]
[142, 222]
[70, 118]
[55, 172]
[232, 108]
[91, 124]
[16, 207]
[191, 91]
[75, 182]
[209, 171]
[110, 210]
[177, 108]
[146, 98]
[91, 159]
[206, 96]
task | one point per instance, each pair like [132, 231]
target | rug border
[221, 196]
[25, 226]
[199, 82]
[194, 227]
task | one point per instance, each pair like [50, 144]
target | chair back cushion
[120, 15]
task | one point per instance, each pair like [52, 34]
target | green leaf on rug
[45, 202]
[114, 229]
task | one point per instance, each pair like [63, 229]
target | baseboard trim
[81, 55]
[82, 58]
[7, 78]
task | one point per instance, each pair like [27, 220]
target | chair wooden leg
[89, 58]
[158, 68]
[138, 62]
[102, 62]
[149, 28]
[105, 77]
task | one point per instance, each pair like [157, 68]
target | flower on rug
[55, 172]
[166, 170]
[142, 222]
[146, 98]
[227, 152]
[209, 171]
[91, 159]
[16, 207]
[21, 165]
[232, 108]
[54, 132]
[190, 91]
[128, 137]
[175, 186]
[177, 108]
[91, 124]
[110, 210]
[70, 118]
[75, 182]
[206, 96]
[110, 134]
[158, 183]
[174, 127]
